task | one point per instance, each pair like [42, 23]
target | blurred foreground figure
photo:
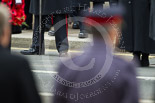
[16, 80]
[97, 76]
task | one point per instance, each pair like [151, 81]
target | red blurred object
[103, 20]
[17, 11]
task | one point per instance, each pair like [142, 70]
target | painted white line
[48, 50]
[147, 101]
[76, 51]
[146, 78]
[129, 55]
[54, 72]
[44, 71]
[46, 94]
[50, 95]
[123, 54]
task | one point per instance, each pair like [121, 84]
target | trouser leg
[29, 16]
[99, 4]
[145, 56]
[35, 41]
[145, 60]
[49, 23]
[78, 14]
[137, 58]
[137, 55]
[81, 25]
[61, 33]
[74, 15]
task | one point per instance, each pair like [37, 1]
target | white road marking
[54, 72]
[76, 51]
[48, 50]
[46, 94]
[50, 95]
[147, 101]
[44, 71]
[146, 78]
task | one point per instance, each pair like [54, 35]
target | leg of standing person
[35, 40]
[141, 58]
[48, 25]
[28, 16]
[145, 60]
[137, 57]
[78, 23]
[83, 33]
[99, 4]
[74, 14]
[61, 33]
[51, 32]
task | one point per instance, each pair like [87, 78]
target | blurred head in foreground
[17, 84]
[5, 29]
[105, 24]
[97, 76]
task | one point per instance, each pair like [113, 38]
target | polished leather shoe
[145, 63]
[76, 25]
[83, 35]
[51, 33]
[31, 51]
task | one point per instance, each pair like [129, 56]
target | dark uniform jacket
[51, 7]
[16, 80]
[135, 33]
[118, 85]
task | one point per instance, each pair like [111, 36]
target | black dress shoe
[76, 25]
[31, 51]
[145, 63]
[145, 60]
[83, 35]
[51, 33]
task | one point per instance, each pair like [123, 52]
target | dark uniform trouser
[77, 12]
[29, 16]
[60, 33]
[99, 4]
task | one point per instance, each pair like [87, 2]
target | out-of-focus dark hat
[104, 15]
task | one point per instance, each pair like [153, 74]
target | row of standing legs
[61, 31]
[141, 58]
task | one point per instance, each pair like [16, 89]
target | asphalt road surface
[44, 67]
